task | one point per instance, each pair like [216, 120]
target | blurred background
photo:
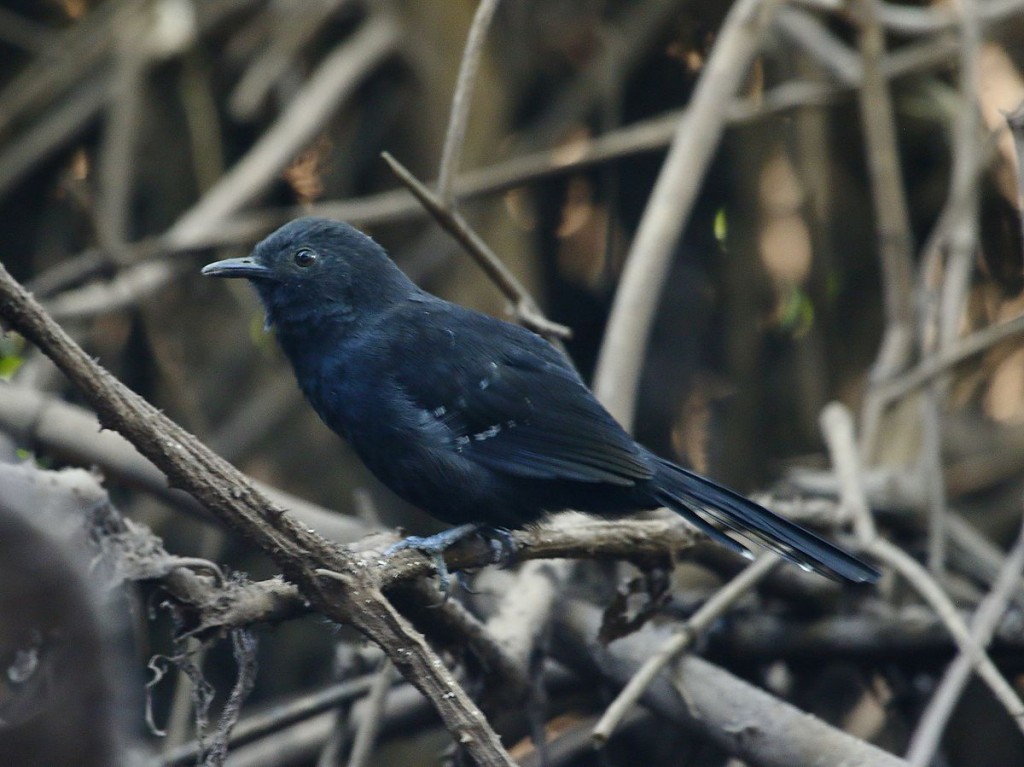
[141, 139]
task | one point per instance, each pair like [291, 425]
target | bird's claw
[501, 543]
[433, 547]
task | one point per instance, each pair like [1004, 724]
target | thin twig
[968, 160]
[53, 129]
[891, 215]
[932, 724]
[945, 287]
[370, 718]
[1015, 121]
[279, 716]
[927, 20]
[670, 205]
[976, 656]
[74, 55]
[337, 76]
[932, 477]
[642, 136]
[821, 44]
[452, 222]
[938, 364]
[293, 36]
[690, 631]
[396, 205]
[461, 101]
[837, 426]
[121, 132]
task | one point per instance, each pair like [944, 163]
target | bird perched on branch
[479, 422]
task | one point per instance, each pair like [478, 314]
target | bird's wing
[507, 400]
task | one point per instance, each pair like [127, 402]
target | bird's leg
[434, 547]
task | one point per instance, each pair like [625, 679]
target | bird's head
[315, 267]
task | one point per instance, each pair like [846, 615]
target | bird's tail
[701, 501]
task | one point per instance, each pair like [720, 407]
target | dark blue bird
[479, 422]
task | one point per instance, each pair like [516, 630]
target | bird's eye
[305, 257]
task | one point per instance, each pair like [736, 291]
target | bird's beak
[237, 267]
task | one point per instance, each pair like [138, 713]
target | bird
[479, 422]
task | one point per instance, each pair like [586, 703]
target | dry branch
[744, 720]
[837, 425]
[668, 208]
[525, 307]
[462, 99]
[689, 632]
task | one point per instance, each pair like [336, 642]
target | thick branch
[749, 723]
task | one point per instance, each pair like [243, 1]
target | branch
[644, 136]
[1015, 121]
[452, 222]
[461, 101]
[972, 650]
[279, 716]
[947, 357]
[892, 219]
[877, 634]
[932, 724]
[337, 76]
[72, 433]
[696, 138]
[564, 537]
[745, 721]
[368, 729]
[837, 426]
[685, 636]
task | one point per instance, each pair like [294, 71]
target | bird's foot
[434, 546]
[502, 544]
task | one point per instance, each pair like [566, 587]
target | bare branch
[932, 723]
[891, 215]
[668, 209]
[369, 724]
[744, 720]
[933, 594]
[525, 307]
[336, 77]
[461, 101]
[73, 434]
[837, 425]
[948, 357]
[1015, 121]
[685, 636]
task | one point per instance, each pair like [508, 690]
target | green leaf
[721, 227]
[797, 315]
[11, 347]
